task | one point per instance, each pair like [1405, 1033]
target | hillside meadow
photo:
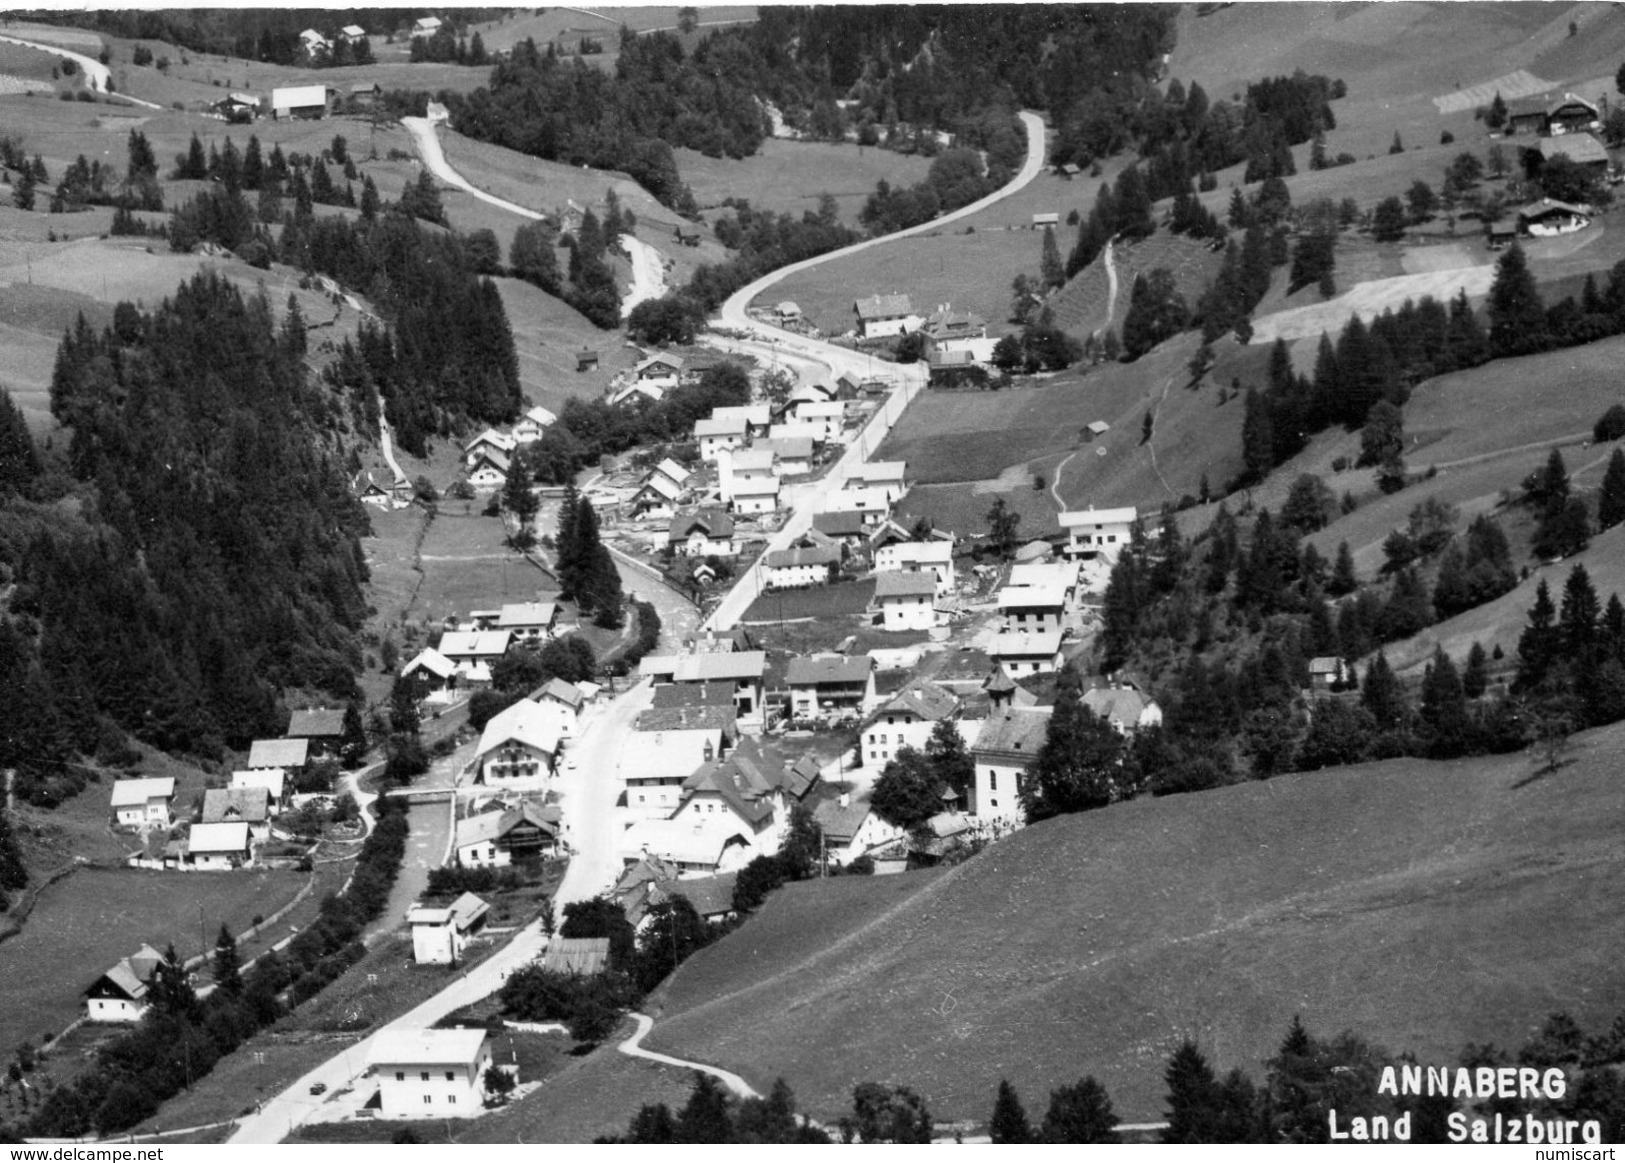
[1423, 905]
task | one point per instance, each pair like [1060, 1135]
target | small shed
[586, 360]
[1042, 220]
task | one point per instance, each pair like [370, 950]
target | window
[993, 780]
[425, 1078]
[400, 1076]
[427, 1099]
[451, 1076]
[452, 1099]
[993, 803]
[640, 799]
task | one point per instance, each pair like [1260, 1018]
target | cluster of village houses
[1567, 127]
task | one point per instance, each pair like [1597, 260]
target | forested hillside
[197, 553]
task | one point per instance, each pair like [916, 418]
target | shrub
[1610, 425]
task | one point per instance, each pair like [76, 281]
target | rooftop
[1024, 645]
[883, 307]
[855, 668]
[803, 555]
[134, 793]
[536, 725]
[278, 752]
[1014, 732]
[316, 725]
[893, 583]
[397, 1047]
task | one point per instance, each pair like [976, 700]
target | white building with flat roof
[1098, 532]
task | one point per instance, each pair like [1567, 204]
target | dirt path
[97, 75]
[648, 273]
[633, 1048]
[1111, 286]
[428, 147]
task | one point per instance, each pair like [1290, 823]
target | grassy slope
[790, 176]
[1422, 904]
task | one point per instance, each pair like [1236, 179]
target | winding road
[428, 147]
[97, 75]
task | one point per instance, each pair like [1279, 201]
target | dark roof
[693, 694]
[894, 583]
[221, 805]
[700, 718]
[584, 955]
[711, 896]
[746, 781]
[714, 522]
[839, 524]
[803, 555]
[1551, 206]
[923, 698]
[1013, 732]
[556, 688]
[883, 307]
[316, 725]
[801, 776]
[840, 823]
[838, 668]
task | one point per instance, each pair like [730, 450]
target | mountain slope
[1422, 904]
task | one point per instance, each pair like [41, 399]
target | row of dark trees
[587, 572]
[181, 1038]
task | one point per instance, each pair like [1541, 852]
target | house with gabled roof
[1027, 652]
[429, 1073]
[656, 498]
[1005, 749]
[466, 646]
[488, 441]
[566, 695]
[792, 456]
[906, 601]
[299, 101]
[756, 498]
[799, 566]
[660, 368]
[1033, 608]
[1126, 709]
[426, 26]
[488, 470]
[441, 934]
[666, 746]
[289, 755]
[374, 494]
[498, 838]
[742, 669]
[249, 805]
[1098, 533]
[848, 528]
[851, 828]
[271, 780]
[439, 672]
[324, 729]
[703, 533]
[831, 686]
[714, 435]
[122, 994]
[674, 472]
[142, 803]
[533, 424]
[873, 505]
[934, 556]
[758, 418]
[882, 315]
[583, 956]
[520, 746]
[528, 623]
[219, 847]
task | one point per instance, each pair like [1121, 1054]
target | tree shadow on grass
[1541, 773]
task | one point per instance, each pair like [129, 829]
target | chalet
[828, 416]
[1327, 672]
[906, 600]
[586, 360]
[1125, 708]
[519, 747]
[792, 456]
[847, 528]
[251, 806]
[936, 557]
[1004, 752]
[488, 441]
[488, 470]
[652, 390]
[426, 26]
[528, 623]
[871, 503]
[353, 33]
[758, 418]
[565, 695]
[1550, 217]
[814, 565]
[666, 746]
[314, 43]
[1581, 149]
[787, 312]
[305, 102]
[584, 956]
[687, 235]
[906, 720]
[439, 935]
[831, 686]
[532, 424]
[1571, 114]
[1097, 533]
[702, 533]
[220, 847]
[743, 669]
[1033, 608]
[463, 647]
[374, 494]
[711, 897]
[673, 472]
[141, 803]
[886, 475]
[323, 729]
[656, 498]
[122, 993]
[503, 836]
[851, 829]
[950, 332]
[365, 92]
[1499, 234]
[273, 781]
[883, 315]
[1050, 219]
[1031, 652]
[713, 435]
[429, 1073]
[659, 368]
[287, 755]
[637, 880]
[439, 672]
[756, 498]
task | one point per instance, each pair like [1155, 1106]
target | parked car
[318, 1088]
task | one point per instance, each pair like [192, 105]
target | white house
[314, 42]
[138, 803]
[737, 467]
[673, 472]
[872, 503]
[121, 994]
[430, 1073]
[566, 696]
[273, 780]
[1097, 532]
[741, 670]
[907, 720]
[219, 847]
[703, 533]
[251, 806]
[792, 456]
[829, 417]
[1125, 708]
[1029, 652]
[851, 829]
[353, 32]
[532, 424]
[660, 368]
[1033, 608]
[758, 418]
[467, 646]
[946, 330]
[488, 470]
[831, 685]
[288, 755]
[439, 935]
[882, 315]
[886, 475]
[305, 101]
[656, 498]
[519, 747]
[438, 671]
[907, 601]
[714, 435]
[756, 498]
[813, 431]
[1004, 751]
[426, 26]
[667, 745]
[801, 565]
[918, 557]
[496, 838]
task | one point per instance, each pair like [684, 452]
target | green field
[1423, 905]
[815, 602]
[789, 177]
[85, 923]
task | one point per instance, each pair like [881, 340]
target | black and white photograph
[812, 574]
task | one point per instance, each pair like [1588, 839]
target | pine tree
[1382, 695]
[1451, 590]
[1517, 315]
[13, 872]
[1257, 437]
[227, 965]
[705, 1117]
[1193, 1113]
[1538, 645]
[1009, 1122]
[1446, 726]
[1579, 616]
[1475, 678]
[566, 549]
[1050, 268]
[1081, 1113]
[23, 193]
[19, 461]
[1611, 496]
[1343, 579]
